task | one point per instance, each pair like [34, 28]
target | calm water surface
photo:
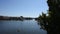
[20, 27]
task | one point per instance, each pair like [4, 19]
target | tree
[54, 19]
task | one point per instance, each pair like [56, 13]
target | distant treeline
[15, 18]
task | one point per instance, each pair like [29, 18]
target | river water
[21, 27]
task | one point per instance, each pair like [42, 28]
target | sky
[26, 8]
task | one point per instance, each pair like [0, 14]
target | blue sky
[26, 8]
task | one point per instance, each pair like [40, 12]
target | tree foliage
[53, 18]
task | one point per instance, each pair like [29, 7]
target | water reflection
[21, 27]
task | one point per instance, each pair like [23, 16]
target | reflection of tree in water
[1, 21]
[51, 22]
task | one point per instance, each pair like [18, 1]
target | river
[20, 27]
